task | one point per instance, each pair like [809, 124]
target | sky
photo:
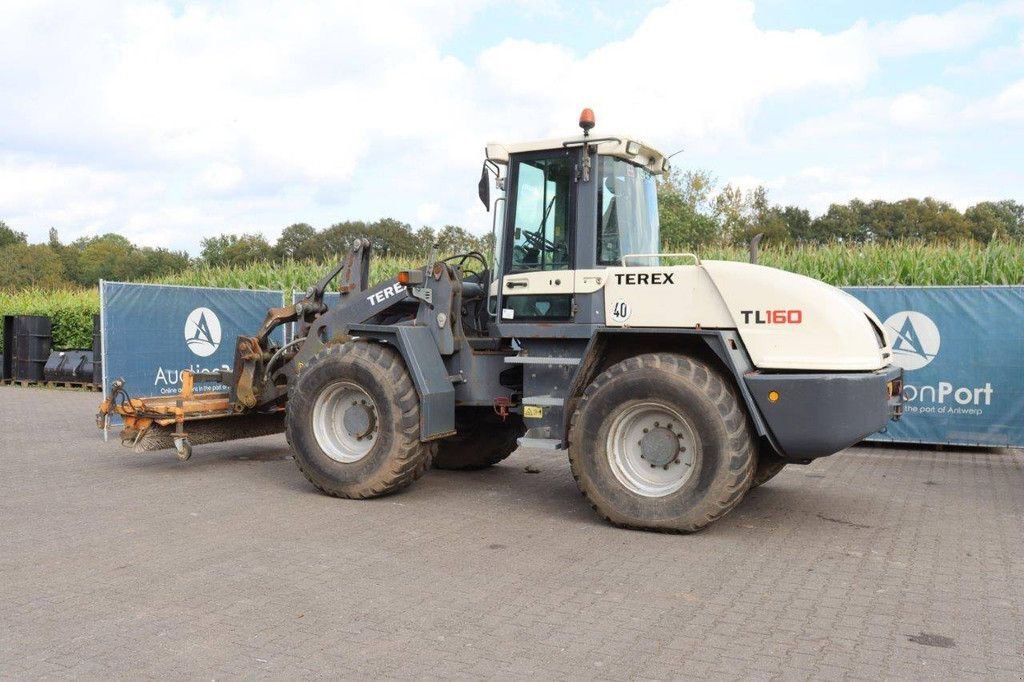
[173, 121]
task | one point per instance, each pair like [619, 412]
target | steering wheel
[538, 241]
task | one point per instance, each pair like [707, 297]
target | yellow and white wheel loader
[674, 384]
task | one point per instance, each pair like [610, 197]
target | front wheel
[661, 442]
[353, 422]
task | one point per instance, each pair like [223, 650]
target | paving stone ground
[876, 563]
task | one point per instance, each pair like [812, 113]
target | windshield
[627, 201]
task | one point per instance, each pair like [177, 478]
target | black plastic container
[27, 341]
[72, 366]
[8, 337]
[97, 352]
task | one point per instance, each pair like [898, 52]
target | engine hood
[791, 322]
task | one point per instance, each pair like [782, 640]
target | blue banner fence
[962, 352]
[152, 332]
[962, 349]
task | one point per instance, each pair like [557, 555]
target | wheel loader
[674, 384]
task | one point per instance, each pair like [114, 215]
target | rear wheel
[661, 442]
[354, 422]
[483, 440]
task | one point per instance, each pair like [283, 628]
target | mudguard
[428, 371]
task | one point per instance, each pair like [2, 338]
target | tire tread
[742, 463]
[410, 458]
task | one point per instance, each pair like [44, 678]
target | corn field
[892, 263]
[287, 276]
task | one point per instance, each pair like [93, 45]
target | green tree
[992, 220]
[798, 223]
[9, 237]
[387, 236]
[334, 242]
[922, 219]
[734, 210]
[392, 237]
[214, 249]
[687, 212]
[841, 222]
[295, 242]
[158, 262]
[1015, 209]
[68, 255]
[941, 220]
[885, 220]
[31, 265]
[230, 249]
[487, 246]
[110, 257]
[763, 218]
[425, 239]
[454, 239]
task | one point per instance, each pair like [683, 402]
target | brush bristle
[204, 431]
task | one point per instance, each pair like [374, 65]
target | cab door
[538, 257]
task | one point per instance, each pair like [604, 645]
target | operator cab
[570, 209]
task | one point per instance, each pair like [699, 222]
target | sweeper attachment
[674, 384]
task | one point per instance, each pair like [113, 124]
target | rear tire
[483, 440]
[661, 442]
[353, 421]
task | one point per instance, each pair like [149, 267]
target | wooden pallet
[74, 384]
[21, 382]
[26, 383]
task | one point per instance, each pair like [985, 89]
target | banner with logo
[962, 351]
[152, 332]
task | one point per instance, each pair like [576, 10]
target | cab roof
[618, 146]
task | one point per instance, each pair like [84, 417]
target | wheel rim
[345, 422]
[652, 449]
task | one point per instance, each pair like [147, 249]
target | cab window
[627, 201]
[540, 234]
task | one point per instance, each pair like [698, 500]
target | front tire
[661, 442]
[353, 421]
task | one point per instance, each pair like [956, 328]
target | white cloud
[220, 177]
[1008, 105]
[998, 59]
[427, 213]
[690, 69]
[926, 107]
[962, 26]
[170, 123]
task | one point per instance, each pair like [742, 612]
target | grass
[70, 312]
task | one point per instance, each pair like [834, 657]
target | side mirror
[484, 188]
